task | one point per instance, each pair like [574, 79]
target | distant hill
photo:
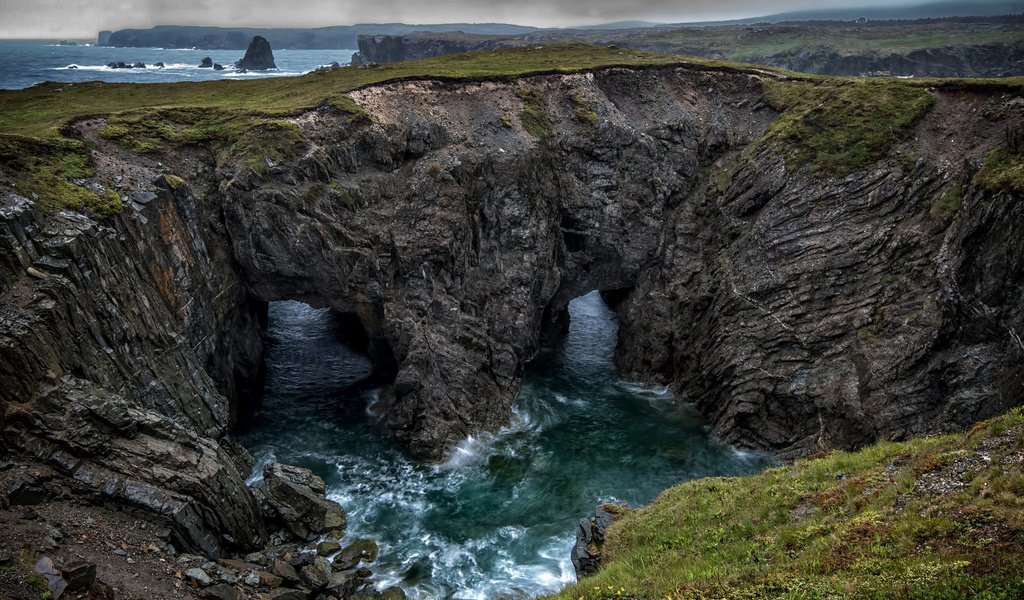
[929, 10]
[237, 38]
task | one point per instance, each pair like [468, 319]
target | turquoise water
[498, 519]
[26, 63]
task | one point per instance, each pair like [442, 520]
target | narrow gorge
[804, 290]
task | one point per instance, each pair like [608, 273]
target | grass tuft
[535, 121]
[841, 125]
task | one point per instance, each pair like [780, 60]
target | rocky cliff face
[796, 310]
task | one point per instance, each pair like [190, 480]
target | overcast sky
[83, 18]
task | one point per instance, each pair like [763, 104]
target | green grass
[44, 170]
[948, 204]
[742, 44]
[848, 525]
[841, 125]
[1003, 169]
[43, 110]
[533, 117]
[583, 111]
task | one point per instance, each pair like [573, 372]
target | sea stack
[258, 57]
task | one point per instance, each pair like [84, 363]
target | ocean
[26, 63]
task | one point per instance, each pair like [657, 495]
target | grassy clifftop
[940, 517]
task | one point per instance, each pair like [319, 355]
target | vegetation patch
[938, 517]
[535, 121]
[841, 125]
[44, 171]
[1003, 169]
[948, 204]
[583, 111]
[267, 144]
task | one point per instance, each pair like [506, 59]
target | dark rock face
[796, 311]
[295, 497]
[258, 57]
[586, 552]
[415, 46]
[206, 63]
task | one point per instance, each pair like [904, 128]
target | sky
[81, 19]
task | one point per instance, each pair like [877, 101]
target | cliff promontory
[814, 264]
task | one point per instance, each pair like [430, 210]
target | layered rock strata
[796, 310]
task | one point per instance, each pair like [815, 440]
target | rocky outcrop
[294, 497]
[206, 63]
[796, 310]
[258, 57]
[590, 535]
[415, 46]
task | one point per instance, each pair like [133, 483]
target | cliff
[237, 38]
[815, 264]
[956, 47]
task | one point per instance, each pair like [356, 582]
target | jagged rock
[269, 580]
[199, 576]
[286, 594]
[79, 575]
[218, 67]
[393, 593]
[252, 578]
[139, 65]
[359, 550]
[295, 496]
[586, 552]
[327, 548]
[222, 591]
[314, 577]
[282, 569]
[54, 580]
[159, 65]
[206, 63]
[258, 57]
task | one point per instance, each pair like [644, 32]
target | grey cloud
[83, 18]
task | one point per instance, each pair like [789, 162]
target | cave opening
[318, 363]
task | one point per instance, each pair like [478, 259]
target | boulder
[222, 591]
[207, 63]
[139, 65]
[314, 577]
[295, 497]
[286, 594]
[159, 65]
[218, 67]
[258, 57]
[327, 548]
[199, 576]
[359, 550]
[79, 574]
[283, 570]
[54, 581]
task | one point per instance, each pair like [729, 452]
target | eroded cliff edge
[797, 308]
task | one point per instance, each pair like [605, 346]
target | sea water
[498, 518]
[26, 63]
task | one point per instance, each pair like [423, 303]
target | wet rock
[258, 56]
[295, 496]
[79, 575]
[199, 576]
[586, 552]
[218, 67]
[206, 63]
[139, 65]
[393, 593]
[159, 65]
[327, 548]
[361, 550]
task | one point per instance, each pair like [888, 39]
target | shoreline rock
[258, 56]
